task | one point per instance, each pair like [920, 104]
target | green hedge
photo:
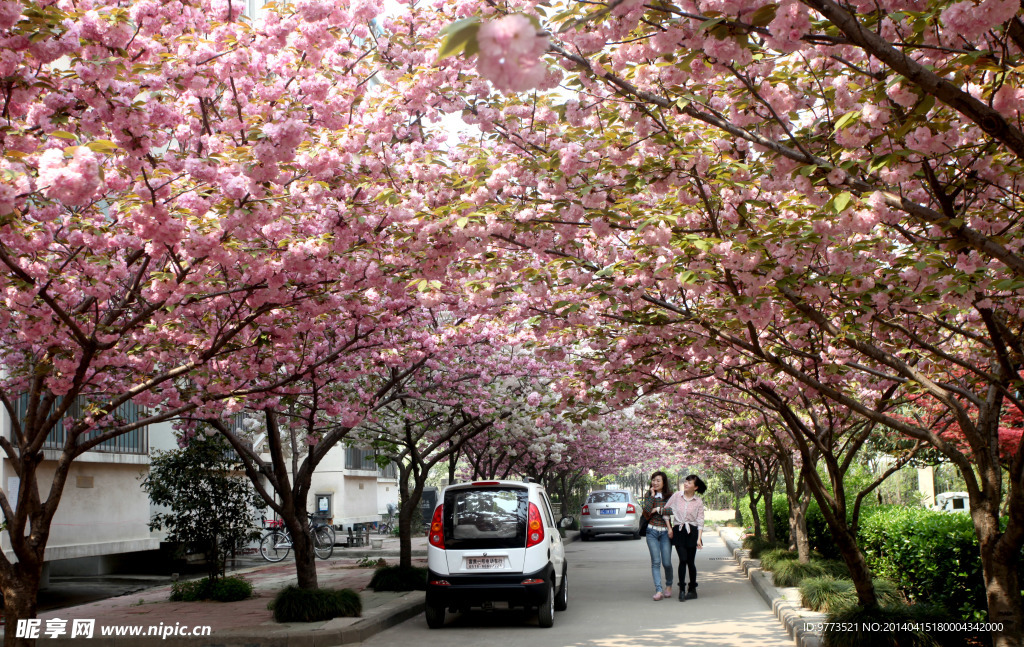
[932, 556]
[224, 589]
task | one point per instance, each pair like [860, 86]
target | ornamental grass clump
[771, 558]
[399, 578]
[790, 572]
[831, 595]
[293, 604]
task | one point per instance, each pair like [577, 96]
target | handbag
[643, 525]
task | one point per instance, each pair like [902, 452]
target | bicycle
[277, 542]
[386, 526]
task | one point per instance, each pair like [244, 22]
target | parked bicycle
[277, 542]
[386, 526]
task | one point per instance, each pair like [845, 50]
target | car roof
[496, 483]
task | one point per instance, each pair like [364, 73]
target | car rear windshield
[609, 497]
[491, 517]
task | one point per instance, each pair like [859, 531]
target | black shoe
[691, 594]
[682, 593]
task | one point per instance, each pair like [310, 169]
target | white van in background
[952, 502]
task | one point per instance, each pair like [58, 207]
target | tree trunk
[302, 544]
[410, 500]
[846, 541]
[1000, 563]
[20, 602]
[769, 514]
[753, 511]
[798, 531]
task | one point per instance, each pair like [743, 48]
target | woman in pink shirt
[685, 530]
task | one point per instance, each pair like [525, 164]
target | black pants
[686, 548]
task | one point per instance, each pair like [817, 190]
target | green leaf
[103, 146]
[460, 37]
[845, 120]
[63, 134]
[841, 201]
[764, 15]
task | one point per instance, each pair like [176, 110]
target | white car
[494, 544]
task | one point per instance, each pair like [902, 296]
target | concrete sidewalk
[249, 622]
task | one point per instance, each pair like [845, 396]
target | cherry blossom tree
[847, 168]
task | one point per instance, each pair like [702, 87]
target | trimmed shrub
[856, 627]
[398, 578]
[831, 595]
[790, 572]
[293, 604]
[770, 558]
[224, 589]
[231, 589]
[931, 555]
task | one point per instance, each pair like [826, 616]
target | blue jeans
[661, 555]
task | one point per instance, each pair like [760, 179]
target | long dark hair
[666, 488]
[701, 486]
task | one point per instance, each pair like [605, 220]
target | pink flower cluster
[510, 53]
[74, 183]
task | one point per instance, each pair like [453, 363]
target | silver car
[608, 511]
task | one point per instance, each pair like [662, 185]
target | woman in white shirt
[685, 530]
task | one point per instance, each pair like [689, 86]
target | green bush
[397, 578]
[770, 558]
[231, 589]
[931, 555]
[224, 589]
[293, 604]
[830, 595]
[790, 572]
[853, 627]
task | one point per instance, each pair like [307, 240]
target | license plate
[485, 562]
[609, 511]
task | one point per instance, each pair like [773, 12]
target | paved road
[610, 606]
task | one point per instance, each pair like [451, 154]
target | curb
[339, 631]
[797, 620]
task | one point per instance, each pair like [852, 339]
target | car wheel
[562, 601]
[584, 536]
[636, 535]
[435, 615]
[546, 612]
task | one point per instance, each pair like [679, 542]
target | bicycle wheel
[323, 545]
[275, 546]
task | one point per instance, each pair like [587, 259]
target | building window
[132, 442]
[366, 459]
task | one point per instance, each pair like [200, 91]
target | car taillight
[437, 528]
[534, 528]
[630, 509]
[586, 510]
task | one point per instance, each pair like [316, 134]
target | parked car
[610, 511]
[494, 544]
